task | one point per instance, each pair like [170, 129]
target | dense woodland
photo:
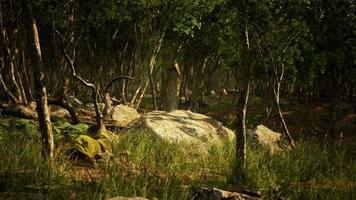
[243, 62]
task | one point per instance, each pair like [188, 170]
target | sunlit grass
[145, 165]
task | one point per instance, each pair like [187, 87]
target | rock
[127, 198]
[204, 193]
[57, 112]
[212, 93]
[186, 127]
[60, 113]
[124, 116]
[263, 136]
[224, 92]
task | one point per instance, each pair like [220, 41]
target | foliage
[66, 131]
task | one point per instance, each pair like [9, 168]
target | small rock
[60, 113]
[124, 116]
[212, 93]
[263, 136]
[224, 92]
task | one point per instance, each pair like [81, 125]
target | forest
[177, 99]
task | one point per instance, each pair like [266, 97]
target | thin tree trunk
[7, 51]
[245, 63]
[6, 90]
[40, 88]
[276, 92]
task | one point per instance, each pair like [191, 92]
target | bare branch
[117, 79]
[95, 91]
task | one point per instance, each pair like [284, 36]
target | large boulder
[182, 126]
[124, 116]
[265, 137]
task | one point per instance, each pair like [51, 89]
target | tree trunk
[198, 86]
[40, 88]
[170, 80]
[245, 63]
[15, 97]
[276, 92]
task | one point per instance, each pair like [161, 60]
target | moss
[92, 143]
[86, 145]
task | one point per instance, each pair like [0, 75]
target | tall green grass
[23, 172]
[145, 165]
[149, 166]
[309, 171]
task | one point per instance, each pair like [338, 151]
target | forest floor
[305, 121]
[145, 166]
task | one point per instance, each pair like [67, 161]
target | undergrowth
[144, 165]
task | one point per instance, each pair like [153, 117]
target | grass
[309, 171]
[145, 165]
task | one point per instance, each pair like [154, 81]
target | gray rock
[186, 127]
[263, 136]
[124, 116]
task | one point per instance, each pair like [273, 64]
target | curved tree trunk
[276, 92]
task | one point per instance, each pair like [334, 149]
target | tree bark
[198, 86]
[15, 97]
[246, 66]
[170, 80]
[40, 88]
[276, 92]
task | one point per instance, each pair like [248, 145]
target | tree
[246, 67]
[40, 88]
